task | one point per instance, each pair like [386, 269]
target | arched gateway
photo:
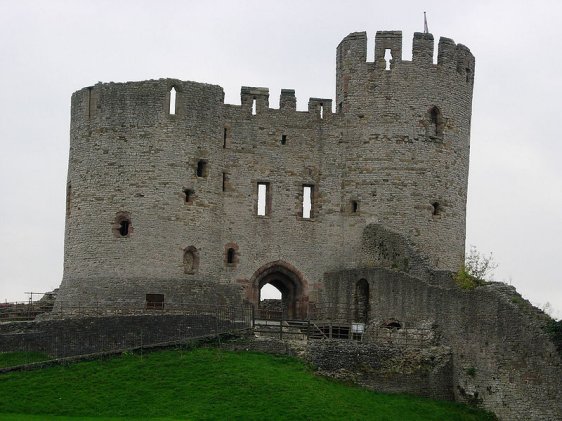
[288, 280]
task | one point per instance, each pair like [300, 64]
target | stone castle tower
[174, 195]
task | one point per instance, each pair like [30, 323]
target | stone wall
[158, 198]
[502, 357]
[131, 291]
[90, 335]
[423, 371]
[419, 371]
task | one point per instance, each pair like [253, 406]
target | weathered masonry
[173, 192]
[354, 211]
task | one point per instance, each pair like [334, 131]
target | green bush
[476, 270]
[465, 280]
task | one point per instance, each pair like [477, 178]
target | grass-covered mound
[204, 384]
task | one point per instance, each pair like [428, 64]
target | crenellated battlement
[353, 49]
[355, 77]
[362, 85]
[254, 100]
[388, 41]
[152, 102]
[422, 48]
[288, 100]
[144, 103]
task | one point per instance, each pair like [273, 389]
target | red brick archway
[288, 280]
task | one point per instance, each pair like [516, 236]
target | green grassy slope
[204, 384]
[11, 359]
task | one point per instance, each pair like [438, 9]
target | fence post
[249, 315]
[281, 326]
[217, 324]
[253, 316]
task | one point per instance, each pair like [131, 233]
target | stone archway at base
[288, 280]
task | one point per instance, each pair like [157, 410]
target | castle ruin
[353, 210]
[165, 180]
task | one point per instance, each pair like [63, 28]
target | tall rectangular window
[254, 106]
[172, 101]
[201, 169]
[225, 137]
[264, 199]
[307, 196]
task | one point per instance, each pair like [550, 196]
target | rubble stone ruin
[354, 210]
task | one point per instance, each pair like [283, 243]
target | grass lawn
[11, 359]
[204, 384]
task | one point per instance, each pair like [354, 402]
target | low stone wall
[88, 335]
[424, 372]
[418, 371]
[92, 294]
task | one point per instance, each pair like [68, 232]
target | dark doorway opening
[292, 302]
[270, 303]
[361, 301]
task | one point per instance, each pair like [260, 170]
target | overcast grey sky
[49, 49]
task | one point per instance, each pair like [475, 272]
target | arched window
[172, 101]
[254, 106]
[392, 324]
[436, 208]
[190, 260]
[189, 195]
[436, 122]
[387, 58]
[362, 301]
[230, 253]
[122, 226]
